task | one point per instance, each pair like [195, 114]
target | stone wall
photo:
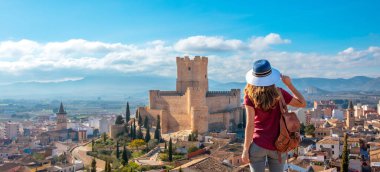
[115, 130]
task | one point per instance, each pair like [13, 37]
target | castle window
[189, 68]
[205, 76]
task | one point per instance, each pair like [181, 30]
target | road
[80, 154]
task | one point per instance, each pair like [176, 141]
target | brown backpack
[289, 136]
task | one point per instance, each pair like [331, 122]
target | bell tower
[191, 73]
[350, 117]
[61, 118]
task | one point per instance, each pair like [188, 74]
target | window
[189, 68]
[333, 152]
[332, 146]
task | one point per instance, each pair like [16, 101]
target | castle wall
[218, 101]
[192, 106]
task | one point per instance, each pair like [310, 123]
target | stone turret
[191, 73]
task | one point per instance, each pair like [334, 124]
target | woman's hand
[286, 80]
[245, 157]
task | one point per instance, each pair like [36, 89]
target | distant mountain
[322, 85]
[122, 87]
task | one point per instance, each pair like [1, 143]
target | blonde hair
[262, 97]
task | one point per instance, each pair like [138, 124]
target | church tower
[61, 118]
[350, 118]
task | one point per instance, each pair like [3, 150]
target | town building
[61, 118]
[12, 130]
[192, 106]
[331, 144]
[350, 118]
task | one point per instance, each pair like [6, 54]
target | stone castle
[192, 106]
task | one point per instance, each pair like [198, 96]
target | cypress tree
[158, 127]
[106, 166]
[92, 145]
[140, 133]
[147, 134]
[345, 160]
[109, 167]
[125, 157]
[139, 119]
[146, 122]
[117, 149]
[127, 113]
[93, 165]
[134, 129]
[166, 147]
[170, 150]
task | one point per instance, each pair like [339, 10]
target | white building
[301, 114]
[104, 125]
[330, 143]
[378, 108]
[94, 122]
[12, 130]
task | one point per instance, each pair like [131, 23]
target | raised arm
[298, 100]
[250, 126]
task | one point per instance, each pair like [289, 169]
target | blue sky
[343, 33]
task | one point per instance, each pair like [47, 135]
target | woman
[263, 116]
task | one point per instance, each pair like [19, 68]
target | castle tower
[350, 118]
[191, 73]
[61, 118]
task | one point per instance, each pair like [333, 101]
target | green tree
[92, 145]
[166, 147]
[106, 166]
[146, 122]
[117, 149]
[124, 156]
[345, 160]
[137, 143]
[93, 165]
[127, 113]
[134, 129]
[139, 119]
[147, 134]
[309, 129]
[302, 129]
[170, 150]
[140, 134]
[119, 120]
[104, 135]
[180, 169]
[157, 131]
[109, 167]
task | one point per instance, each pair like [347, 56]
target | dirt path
[80, 153]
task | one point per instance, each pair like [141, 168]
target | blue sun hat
[262, 74]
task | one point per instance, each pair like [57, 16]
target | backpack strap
[283, 106]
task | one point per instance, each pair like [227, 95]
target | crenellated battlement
[233, 92]
[187, 59]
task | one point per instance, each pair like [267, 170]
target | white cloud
[157, 57]
[208, 43]
[263, 43]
